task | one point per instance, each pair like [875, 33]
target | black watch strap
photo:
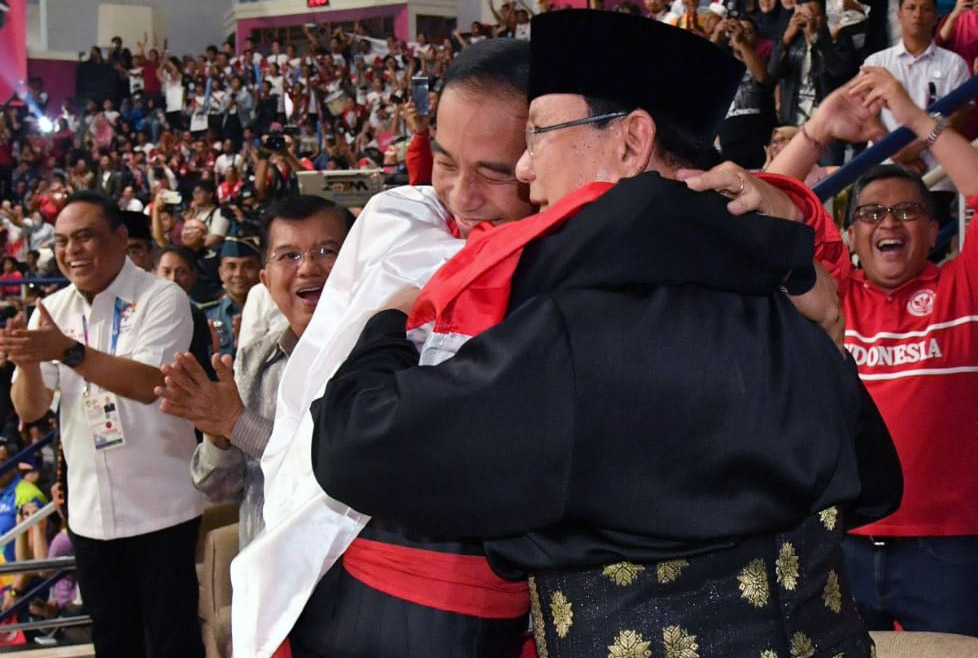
[74, 355]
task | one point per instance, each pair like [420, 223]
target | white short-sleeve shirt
[144, 485]
[928, 76]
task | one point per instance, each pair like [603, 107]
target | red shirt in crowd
[419, 160]
[151, 83]
[225, 191]
[916, 348]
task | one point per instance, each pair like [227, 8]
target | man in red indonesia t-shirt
[912, 328]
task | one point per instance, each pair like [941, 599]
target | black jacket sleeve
[879, 465]
[407, 443]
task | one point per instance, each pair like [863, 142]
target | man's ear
[638, 138]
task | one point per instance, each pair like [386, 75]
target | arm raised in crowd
[851, 113]
[953, 152]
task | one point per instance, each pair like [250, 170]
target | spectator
[134, 537]
[910, 329]
[228, 158]
[302, 239]
[15, 493]
[240, 265]
[927, 72]
[128, 201]
[807, 63]
[958, 32]
[139, 243]
[109, 181]
[10, 270]
[176, 264]
[207, 287]
[204, 208]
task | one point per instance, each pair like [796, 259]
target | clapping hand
[24, 346]
[214, 407]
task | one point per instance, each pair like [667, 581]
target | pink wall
[13, 50]
[59, 80]
[399, 12]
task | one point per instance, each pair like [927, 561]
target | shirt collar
[928, 52]
[123, 285]
[931, 272]
[286, 343]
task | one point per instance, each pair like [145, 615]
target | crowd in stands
[194, 147]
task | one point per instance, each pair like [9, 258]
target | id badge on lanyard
[101, 406]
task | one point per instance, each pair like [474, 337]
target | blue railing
[40, 281]
[28, 452]
[25, 601]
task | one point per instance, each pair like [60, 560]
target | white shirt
[260, 316]
[926, 77]
[174, 91]
[225, 162]
[281, 59]
[399, 240]
[133, 205]
[217, 223]
[144, 485]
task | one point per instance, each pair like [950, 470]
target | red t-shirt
[151, 83]
[916, 348]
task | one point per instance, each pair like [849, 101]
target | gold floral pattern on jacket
[786, 566]
[623, 573]
[679, 643]
[668, 571]
[753, 583]
[829, 517]
[536, 612]
[801, 646]
[832, 593]
[562, 612]
[629, 644]
[768, 653]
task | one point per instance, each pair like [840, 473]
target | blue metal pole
[27, 452]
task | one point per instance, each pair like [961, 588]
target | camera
[275, 141]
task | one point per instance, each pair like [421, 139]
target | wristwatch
[74, 355]
[940, 123]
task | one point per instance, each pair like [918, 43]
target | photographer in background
[808, 64]
[275, 166]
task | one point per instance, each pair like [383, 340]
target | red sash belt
[464, 584]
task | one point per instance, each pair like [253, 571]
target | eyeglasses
[324, 254]
[874, 213]
[532, 131]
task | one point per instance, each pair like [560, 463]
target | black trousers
[142, 593]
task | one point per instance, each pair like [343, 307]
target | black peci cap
[137, 224]
[636, 62]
